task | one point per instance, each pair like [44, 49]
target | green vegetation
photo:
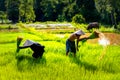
[103, 11]
[55, 65]
[92, 61]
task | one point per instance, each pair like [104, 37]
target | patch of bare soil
[114, 38]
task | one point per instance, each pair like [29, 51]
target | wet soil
[114, 38]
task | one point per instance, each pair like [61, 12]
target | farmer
[70, 42]
[37, 48]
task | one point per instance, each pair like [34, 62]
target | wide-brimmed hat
[79, 32]
[28, 43]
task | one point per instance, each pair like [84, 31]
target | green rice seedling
[54, 64]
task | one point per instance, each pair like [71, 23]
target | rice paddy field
[92, 61]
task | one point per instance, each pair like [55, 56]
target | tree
[12, 10]
[57, 10]
[49, 10]
[109, 10]
[115, 5]
[2, 5]
[62, 4]
[89, 11]
[2, 16]
[26, 12]
[70, 10]
[104, 9]
[38, 10]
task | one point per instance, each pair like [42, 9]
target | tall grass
[54, 65]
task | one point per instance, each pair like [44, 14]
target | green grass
[54, 65]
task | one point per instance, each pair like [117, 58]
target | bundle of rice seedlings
[19, 39]
[94, 34]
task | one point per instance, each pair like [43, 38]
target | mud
[114, 38]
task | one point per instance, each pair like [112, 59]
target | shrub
[78, 18]
[118, 27]
[61, 18]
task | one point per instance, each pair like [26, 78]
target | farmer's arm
[84, 38]
[77, 41]
[22, 47]
[77, 44]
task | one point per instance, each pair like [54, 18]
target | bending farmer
[37, 48]
[70, 42]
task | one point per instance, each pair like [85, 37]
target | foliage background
[103, 11]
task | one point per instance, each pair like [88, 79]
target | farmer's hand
[86, 37]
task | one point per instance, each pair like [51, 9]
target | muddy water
[114, 38]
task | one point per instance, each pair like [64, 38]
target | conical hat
[28, 43]
[79, 32]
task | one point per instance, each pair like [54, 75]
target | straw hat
[28, 43]
[79, 32]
